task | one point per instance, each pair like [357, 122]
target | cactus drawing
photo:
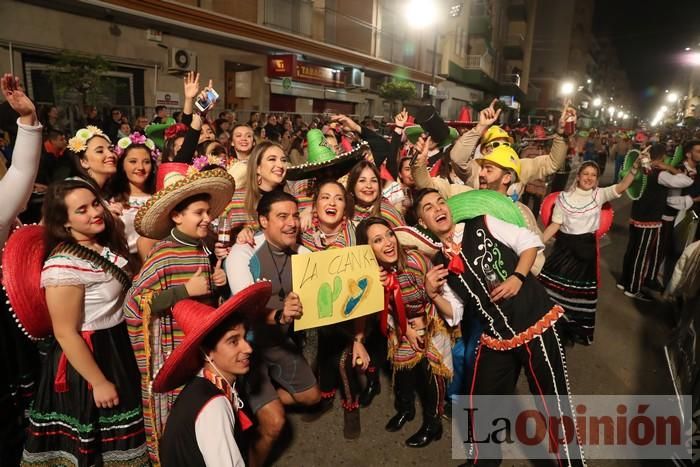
[327, 296]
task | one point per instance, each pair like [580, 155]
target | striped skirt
[570, 277]
[67, 429]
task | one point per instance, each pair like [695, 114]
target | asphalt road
[626, 358]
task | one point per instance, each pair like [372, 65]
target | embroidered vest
[482, 251]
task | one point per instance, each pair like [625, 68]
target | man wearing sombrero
[484, 267]
[490, 136]
[208, 361]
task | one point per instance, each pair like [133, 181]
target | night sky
[651, 37]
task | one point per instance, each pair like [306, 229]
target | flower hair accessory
[176, 130]
[78, 143]
[199, 162]
[136, 138]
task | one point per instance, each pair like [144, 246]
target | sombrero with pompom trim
[174, 185]
[321, 157]
[197, 320]
[22, 263]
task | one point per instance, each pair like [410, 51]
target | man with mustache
[484, 267]
[276, 356]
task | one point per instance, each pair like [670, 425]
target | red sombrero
[464, 119]
[22, 262]
[197, 320]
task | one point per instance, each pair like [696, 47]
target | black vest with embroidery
[507, 317]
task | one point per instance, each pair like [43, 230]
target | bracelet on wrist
[520, 276]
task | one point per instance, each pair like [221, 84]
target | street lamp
[620, 114]
[611, 110]
[422, 14]
[597, 102]
[567, 88]
[672, 97]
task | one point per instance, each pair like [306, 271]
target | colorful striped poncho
[387, 211]
[170, 264]
[239, 218]
[313, 238]
[438, 345]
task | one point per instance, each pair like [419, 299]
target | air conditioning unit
[181, 60]
[355, 78]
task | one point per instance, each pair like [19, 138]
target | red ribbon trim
[60, 382]
[392, 291]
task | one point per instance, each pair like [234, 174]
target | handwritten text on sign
[336, 285]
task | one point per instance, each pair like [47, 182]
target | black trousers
[429, 386]
[496, 373]
[642, 256]
[335, 370]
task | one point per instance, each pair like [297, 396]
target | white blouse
[104, 294]
[128, 217]
[578, 211]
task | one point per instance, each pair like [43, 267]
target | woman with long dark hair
[419, 346]
[135, 180]
[87, 410]
[364, 186]
[93, 156]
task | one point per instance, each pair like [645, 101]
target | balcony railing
[480, 62]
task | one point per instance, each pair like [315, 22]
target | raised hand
[348, 123]
[18, 100]
[567, 113]
[489, 115]
[191, 84]
[198, 285]
[401, 118]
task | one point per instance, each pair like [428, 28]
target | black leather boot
[430, 430]
[397, 422]
[372, 389]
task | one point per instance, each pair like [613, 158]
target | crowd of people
[155, 303]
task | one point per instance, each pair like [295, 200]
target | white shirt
[214, 432]
[679, 270]
[669, 180]
[516, 238]
[128, 216]
[578, 211]
[104, 295]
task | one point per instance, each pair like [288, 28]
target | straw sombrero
[414, 132]
[639, 184]
[22, 263]
[174, 185]
[197, 320]
[322, 157]
[475, 203]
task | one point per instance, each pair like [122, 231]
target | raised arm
[463, 149]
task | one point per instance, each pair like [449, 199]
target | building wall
[76, 33]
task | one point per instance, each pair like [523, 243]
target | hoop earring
[259, 180]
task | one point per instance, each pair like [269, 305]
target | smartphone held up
[205, 102]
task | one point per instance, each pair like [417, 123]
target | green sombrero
[636, 189]
[156, 131]
[475, 203]
[322, 157]
[677, 157]
[414, 132]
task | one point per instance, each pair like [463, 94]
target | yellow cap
[495, 132]
[503, 156]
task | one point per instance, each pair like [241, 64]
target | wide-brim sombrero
[198, 320]
[22, 263]
[414, 132]
[153, 218]
[340, 164]
[639, 184]
[413, 237]
[475, 203]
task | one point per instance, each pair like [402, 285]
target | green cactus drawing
[326, 297]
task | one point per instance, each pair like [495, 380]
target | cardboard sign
[336, 285]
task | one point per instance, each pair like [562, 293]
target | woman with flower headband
[418, 343]
[338, 355]
[94, 157]
[87, 409]
[177, 267]
[134, 183]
